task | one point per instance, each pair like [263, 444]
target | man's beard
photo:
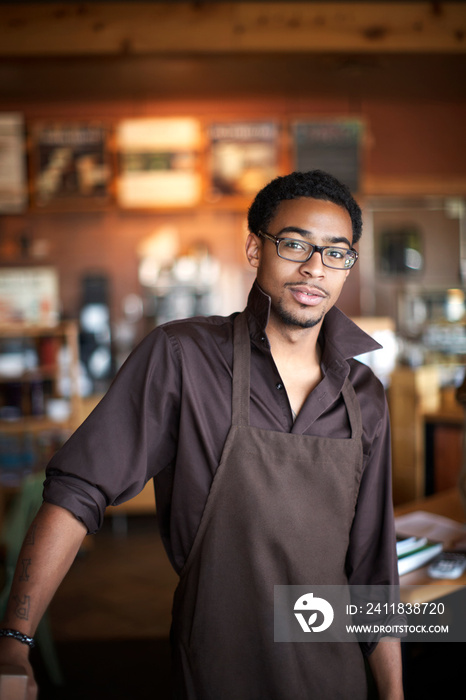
[290, 320]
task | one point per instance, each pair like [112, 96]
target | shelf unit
[39, 394]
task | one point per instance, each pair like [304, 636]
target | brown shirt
[167, 415]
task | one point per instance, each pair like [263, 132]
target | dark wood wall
[411, 96]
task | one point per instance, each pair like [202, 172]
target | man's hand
[13, 654]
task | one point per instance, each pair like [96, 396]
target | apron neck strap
[241, 371]
[353, 408]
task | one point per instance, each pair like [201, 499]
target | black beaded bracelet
[15, 634]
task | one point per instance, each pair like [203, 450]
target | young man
[270, 451]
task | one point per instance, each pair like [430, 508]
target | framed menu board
[331, 145]
[159, 162]
[70, 165]
[243, 157]
[13, 179]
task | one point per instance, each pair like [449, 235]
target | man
[269, 447]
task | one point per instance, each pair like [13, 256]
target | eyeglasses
[297, 250]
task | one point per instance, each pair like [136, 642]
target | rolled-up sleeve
[129, 437]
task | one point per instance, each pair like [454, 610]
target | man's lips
[308, 296]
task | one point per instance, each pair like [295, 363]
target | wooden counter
[417, 586]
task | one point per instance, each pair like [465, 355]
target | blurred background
[133, 137]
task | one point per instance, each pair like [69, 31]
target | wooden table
[417, 586]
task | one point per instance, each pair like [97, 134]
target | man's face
[301, 293]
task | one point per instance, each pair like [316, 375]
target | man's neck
[301, 344]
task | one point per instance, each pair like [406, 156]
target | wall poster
[71, 165]
[13, 178]
[29, 295]
[243, 157]
[331, 145]
[159, 161]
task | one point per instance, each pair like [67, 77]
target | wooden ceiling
[112, 28]
[244, 49]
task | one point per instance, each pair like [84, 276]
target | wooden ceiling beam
[138, 28]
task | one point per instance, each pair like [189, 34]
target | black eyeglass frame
[313, 248]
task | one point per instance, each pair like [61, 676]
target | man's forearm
[48, 551]
[386, 667]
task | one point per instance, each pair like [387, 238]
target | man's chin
[293, 321]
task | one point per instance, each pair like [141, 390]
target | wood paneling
[448, 455]
[353, 77]
[411, 394]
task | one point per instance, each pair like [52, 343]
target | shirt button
[279, 385]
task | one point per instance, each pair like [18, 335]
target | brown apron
[279, 512]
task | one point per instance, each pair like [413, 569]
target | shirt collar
[258, 311]
[343, 339]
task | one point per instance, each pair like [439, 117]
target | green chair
[17, 521]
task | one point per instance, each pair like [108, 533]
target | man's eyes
[295, 245]
[337, 253]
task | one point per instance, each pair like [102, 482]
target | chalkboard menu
[331, 145]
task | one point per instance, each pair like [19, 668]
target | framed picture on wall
[333, 145]
[29, 295]
[71, 165]
[243, 156]
[13, 178]
[159, 162]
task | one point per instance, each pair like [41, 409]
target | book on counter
[414, 552]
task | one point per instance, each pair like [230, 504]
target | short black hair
[314, 183]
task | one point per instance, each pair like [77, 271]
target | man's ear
[253, 249]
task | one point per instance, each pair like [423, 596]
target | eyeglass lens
[296, 250]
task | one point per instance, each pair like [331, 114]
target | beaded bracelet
[15, 634]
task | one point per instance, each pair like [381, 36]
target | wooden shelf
[34, 425]
[32, 330]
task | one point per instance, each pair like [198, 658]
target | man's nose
[314, 266]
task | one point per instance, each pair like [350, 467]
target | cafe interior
[133, 137]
